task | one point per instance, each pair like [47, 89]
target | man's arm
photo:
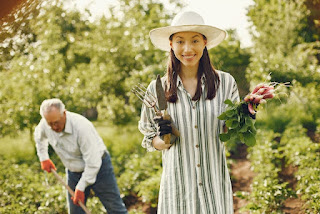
[41, 142]
[42, 149]
[91, 147]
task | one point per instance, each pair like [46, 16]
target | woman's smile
[189, 57]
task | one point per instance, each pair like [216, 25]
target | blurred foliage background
[51, 50]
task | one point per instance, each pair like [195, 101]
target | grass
[112, 133]
[121, 141]
[19, 147]
[117, 139]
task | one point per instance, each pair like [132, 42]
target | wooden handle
[166, 137]
[70, 191]
[175, 131]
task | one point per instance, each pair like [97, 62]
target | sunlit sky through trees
[225, 14]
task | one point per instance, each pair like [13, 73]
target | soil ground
[242, 177]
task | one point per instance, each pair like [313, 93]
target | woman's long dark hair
[205, 67]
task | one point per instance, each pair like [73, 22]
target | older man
[83, 153]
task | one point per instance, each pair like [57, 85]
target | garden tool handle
[175, 131]
[167, 116]
[70, 191]
[166, 137]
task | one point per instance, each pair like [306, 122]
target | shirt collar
[180, 85]
[179, 82]
[203, 80]
[68, 126]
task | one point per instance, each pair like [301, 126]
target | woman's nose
[187, 47]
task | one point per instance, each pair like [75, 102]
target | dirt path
[291, 205]
[242, 178]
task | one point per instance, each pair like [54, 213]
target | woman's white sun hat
[186, 21]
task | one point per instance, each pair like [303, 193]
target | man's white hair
[47, 105]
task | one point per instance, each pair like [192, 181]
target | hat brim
[160, 36]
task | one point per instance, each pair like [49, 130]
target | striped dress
[195, 176]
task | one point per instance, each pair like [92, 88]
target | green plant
[299, 150]
[23, 189]
[142, 175]
[240, 125]
[268, 191]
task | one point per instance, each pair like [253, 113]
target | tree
[230, 57]
[281, 48]
[134, 59]
[44, 69]
[86, 65]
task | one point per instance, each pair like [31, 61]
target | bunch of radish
[258, 96]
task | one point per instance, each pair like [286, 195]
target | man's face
[55, 120]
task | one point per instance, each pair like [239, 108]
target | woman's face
[188, 47]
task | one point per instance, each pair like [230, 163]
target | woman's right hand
[159, 144]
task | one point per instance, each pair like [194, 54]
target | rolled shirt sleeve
[147, 126]
[235, 92]
[41, 142]
[91, 154]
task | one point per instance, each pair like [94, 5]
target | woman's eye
[179, 42]
[195, 41]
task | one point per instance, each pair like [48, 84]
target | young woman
[195, 176]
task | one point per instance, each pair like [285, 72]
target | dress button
[200, 184]
[193, 107]
[197, 146]
[196, 126]
[198, 165]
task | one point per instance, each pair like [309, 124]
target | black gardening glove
[164, 125]
[246, 110]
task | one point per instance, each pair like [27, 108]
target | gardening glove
[245, 109]
[47, 165]
[164, 125]
[78, 196]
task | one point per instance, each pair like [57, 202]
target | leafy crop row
[268, 190]
[301, 152]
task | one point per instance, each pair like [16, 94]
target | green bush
[302, 106]
[121, 142]
[142, 175]
[23, 190]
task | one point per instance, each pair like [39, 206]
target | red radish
[246, 99]
[261, 90]
[259, 95]
[262, 101]
[268, 96]
[250, 108]
[257, 99]
[260, 85]
[267, 90]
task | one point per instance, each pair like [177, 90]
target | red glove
[78, 196]
[47, 165]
